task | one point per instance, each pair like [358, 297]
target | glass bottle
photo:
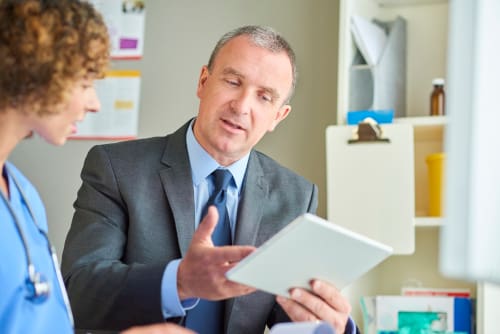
[437, 97]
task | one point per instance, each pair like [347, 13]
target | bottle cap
[438, 82]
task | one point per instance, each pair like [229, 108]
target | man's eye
[266, 98]
[232, 82]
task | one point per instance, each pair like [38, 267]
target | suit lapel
[177, 183]
[250, 211]
[251, 205]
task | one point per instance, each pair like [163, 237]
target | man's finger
[206, 227]
[233, 254]
[331, 295]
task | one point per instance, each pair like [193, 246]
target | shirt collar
[202, 164]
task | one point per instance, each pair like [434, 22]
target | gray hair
[265, 37]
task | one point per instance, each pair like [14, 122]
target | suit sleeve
[105, 292]
[313, 202]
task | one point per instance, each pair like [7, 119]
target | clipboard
[307, 248]
[371, 183]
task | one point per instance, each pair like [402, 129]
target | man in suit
[140, 246]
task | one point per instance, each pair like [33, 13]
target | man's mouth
[233, 125]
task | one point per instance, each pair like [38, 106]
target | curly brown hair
[45, 47]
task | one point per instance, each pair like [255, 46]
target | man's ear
[201, 81]
[280, 115]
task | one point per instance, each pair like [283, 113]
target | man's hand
[325, 303]
[158, 329]
[201, 272]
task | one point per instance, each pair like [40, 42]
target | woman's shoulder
[13, 171]
[29, 191]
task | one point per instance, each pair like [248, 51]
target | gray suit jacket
[135, 213]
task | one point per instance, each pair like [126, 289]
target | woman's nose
[93, 104]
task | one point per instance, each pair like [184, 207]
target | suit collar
[177, 184]
[253, 198]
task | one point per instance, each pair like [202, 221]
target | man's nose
[242, 103]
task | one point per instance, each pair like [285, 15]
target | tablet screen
[307, 248]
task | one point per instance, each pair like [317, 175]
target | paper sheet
[125, 20]
[369, 38]
[302, 328]
[118, 118]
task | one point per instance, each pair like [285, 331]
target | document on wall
[118, 117]
[125, 21]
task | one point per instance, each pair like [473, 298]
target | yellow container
[435, 168]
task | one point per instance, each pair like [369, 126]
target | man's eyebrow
[231, 71]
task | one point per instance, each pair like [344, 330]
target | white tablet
[309, 247]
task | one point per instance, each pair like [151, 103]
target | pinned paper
[118, 117]
[125, 20]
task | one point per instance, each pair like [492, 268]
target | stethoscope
[38, 285]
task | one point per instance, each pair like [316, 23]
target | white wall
[179, 38]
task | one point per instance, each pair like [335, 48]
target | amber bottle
[438, 97]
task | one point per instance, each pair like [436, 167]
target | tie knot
[222, 177]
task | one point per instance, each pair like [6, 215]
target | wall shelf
[424, 121]
[426, 128]
[396, 3]
[428, 222]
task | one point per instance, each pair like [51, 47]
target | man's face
[241, 98]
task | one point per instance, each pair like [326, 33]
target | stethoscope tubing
[31, 267]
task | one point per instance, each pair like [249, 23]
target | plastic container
[435, 167]
[380, 116]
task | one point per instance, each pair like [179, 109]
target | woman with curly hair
[50, 54]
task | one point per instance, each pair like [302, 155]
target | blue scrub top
[18, 314]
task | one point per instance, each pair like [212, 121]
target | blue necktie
[208, 316]
[222, 232]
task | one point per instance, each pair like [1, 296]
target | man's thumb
[207, 225]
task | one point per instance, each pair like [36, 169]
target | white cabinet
[427, 24]
[421, 267]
